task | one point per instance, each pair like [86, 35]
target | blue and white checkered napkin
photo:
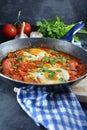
[54, 107]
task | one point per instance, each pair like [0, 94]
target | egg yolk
[55, 77]
[35, 51]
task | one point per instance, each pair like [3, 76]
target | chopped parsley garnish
[53, 60]
[45, 58]
[51, 74]
[28, 50]
[45, 69]
[54, 51]
[1, 68]
[59, 70]
[48, 59]
[39, 70]
[64, 60]
[62, 80]
[40, 65]
[29, 70]
[18, 58]
[15, 67]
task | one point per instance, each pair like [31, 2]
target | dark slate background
[12, 117]
[32, 10]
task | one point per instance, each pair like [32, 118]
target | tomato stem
[19, 14]
[18, 22]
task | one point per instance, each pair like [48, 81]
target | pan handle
[69, 36]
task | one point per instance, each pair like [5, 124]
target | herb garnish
[45, 58]
[54, 51]
[18, 58]
[40, 65]
[54, 29]
[1, 68]
[15, 67]
[51, 74]
[53, 60]
[45, 69]
[62, 80]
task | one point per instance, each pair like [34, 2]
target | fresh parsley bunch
[54, 29]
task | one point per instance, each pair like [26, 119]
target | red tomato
[9, 30]
[27, 28]
[7, 66]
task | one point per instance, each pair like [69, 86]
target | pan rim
[22, 82]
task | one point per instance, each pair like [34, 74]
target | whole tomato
[27, 28]
[9, 30]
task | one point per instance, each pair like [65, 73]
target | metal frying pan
[60, 45]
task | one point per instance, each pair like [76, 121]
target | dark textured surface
[32, 10]
[12, 117]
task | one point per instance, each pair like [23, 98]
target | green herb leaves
[53, 60]
[54, 51]
[1, 68]
[51, 74]
[54, 29]
[19, 58]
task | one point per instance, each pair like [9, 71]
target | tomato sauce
[21, 64]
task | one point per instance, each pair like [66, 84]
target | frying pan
[60, 45]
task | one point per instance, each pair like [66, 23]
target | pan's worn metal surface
[59, 45]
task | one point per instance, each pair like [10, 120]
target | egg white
[61, 73]
[29, 56]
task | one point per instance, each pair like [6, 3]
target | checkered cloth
[54, 107]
